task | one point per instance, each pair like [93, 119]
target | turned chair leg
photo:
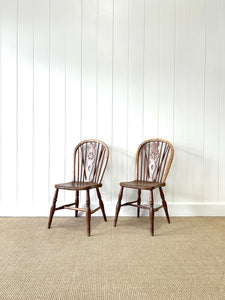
[118, 205]
[88, 213]
[164, 204]
[151, 213]
[138, 203]
[52, 210]
[76, 203]
[101, 204]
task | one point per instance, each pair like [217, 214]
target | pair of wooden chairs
[153, 161]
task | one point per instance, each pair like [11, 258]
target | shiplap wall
[121, 71]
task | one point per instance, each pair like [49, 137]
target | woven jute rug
[184, 260]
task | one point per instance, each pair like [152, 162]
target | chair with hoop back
[153, 161]
[90, 161]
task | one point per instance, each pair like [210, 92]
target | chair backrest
[90, 160]
[153, 160]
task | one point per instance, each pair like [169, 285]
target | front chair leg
[88, 213]
[52, 210]
[151, 213]
[76, 203]
[118, 205]
[101, 204]
[164, 204]
[138, 203]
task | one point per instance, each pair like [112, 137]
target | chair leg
[138, 203]
[118, 205]
[101, 204]
[88, 213]
[76, 203]
[164, 204]
[151, 213]
[52, 210]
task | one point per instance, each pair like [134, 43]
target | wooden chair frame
[90, 161]
[153, 162]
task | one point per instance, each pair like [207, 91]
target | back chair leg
[76, 203]
[88, 213]
[52, 210]
[118, 205]
[151, 213]
[164, 204]
[138, 203]
[101, 204]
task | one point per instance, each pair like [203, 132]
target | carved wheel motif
[90, 159]
[154, 160]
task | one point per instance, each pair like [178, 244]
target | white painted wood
[120, 96]
[57, 95]
[182, 210]
[104, 92]
[89, 72]
[196, 103]
[167, 68]
[25, 103]
[221, 187]
[73, 11]
[167, 77]
[0, 109]
[89, 67]
[212, 98]
[151, 78]
[151, 69]
[197, 209]
[41, 105]
[136, 73]
[119, 71]
[104, 70]
[175, 210]
[181, 99]
[135, 87]
[8, 91]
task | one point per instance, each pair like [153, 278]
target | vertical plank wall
[121, 71]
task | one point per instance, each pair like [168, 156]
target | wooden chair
[153, 161]
[90, 160]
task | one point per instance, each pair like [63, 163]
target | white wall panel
[167, 68]
[89, 67]
[151, 69]
[41, 104]
[104, 92]
[25, 102]
[181, 99]
[196, 102]
[120, 95]
[73, 11]
[121, 71]
[9, 105]
[221, 174]
[135, 88]
[0, 111]
[212, 98]
[167, 77]
[57, 94]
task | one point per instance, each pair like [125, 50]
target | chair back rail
[90, 160]
[153, 160]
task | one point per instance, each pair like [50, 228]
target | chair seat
[142, 185]
[77, 185]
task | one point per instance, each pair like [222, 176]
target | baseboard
[195, 210]
[179, 210]
[175, 210]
